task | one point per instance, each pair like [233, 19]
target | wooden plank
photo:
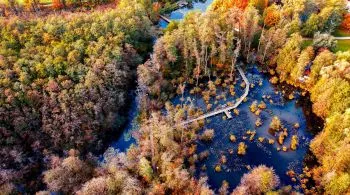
[240, 100]
[228, 114]
[165, 18]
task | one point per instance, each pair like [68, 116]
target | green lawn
[306, 43]
[343, 45]
[341, 33]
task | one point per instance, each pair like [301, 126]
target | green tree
[312, 25]
[288, 56]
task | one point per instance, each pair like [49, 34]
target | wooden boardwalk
[165, 18]
[227, 109]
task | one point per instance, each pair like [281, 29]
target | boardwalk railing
[227, 109]
[165, 18]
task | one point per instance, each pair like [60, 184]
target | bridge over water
[225, 110]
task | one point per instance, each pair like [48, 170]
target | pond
[288, 110]
[180, 13]
[258, 152]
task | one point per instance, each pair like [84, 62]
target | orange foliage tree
[156, 7]
[272, 15]
[346, 22]
[57, 4]
[227, 4]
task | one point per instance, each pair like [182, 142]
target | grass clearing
[306, 43]
[343, 45]
[341, 33]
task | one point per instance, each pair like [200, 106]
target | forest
[66, 77]
[64, 83]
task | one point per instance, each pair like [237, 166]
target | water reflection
[258, 152]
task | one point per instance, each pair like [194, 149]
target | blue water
[180, 13]
[126, 139]
[257, 153]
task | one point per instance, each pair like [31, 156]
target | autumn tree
[324, 58]
[333, 162]
[272, 15]
[292, 8]
[312, 25]
[68, 175]
[114, 177]
[304, 60]
[57, 4]
[250, 27]
[225, 5]
[270, 42]
[330, 95]
[288, 56]
[346, 22]
[258, 181]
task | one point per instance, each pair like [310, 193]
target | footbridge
[165, 18]
[225, 110]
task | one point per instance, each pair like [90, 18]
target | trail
[225, 110]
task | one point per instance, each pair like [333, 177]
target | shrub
[281, 138]
[261, 139]
[223, 159]
[324, 41]
[207, 135]
[262, 105]
[275, 123]
[242, 148]
[217, 168]
[284, 148]
[258, 122]
[203, 155]
[233, 138]
[294, 142]
[274, 80]
[296, 125]
[254, 106]
[258, 181]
